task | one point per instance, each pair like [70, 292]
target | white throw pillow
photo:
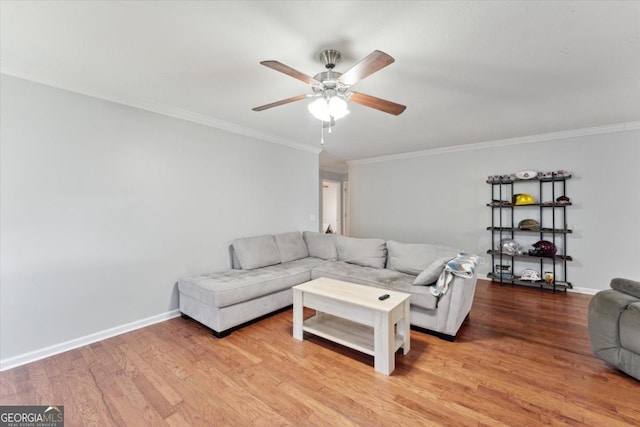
[430, 274]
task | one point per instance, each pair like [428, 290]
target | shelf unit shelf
[542, 230]
[542, 205]
[555, 257]
[532, 284]
[345, 332]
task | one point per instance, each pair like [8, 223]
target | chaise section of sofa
[225, 300]
[266, 267]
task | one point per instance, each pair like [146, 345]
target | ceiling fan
[333, 89]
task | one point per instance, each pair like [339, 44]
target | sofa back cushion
[321, 245]
[364, 252]
[414, 258]
[291, 246]
[256, 252]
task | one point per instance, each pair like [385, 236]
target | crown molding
[175, 113]
[620, 127]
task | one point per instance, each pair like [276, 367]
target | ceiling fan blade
[377, 103]
[281, 102]
[278, 66]
[367, 66]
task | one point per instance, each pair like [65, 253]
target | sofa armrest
[605, 309]
[626, 286]
[455, 304]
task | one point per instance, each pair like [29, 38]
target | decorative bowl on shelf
[526, 174]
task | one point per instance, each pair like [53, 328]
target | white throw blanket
[464, 265]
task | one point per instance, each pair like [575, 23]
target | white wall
[441, 197]
[104, 207]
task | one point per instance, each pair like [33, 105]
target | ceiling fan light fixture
[324, 109]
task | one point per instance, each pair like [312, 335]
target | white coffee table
[352, 315]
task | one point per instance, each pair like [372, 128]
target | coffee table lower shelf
[346, 332]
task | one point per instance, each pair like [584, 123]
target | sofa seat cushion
[341, 270]
[381, 278]
[630, 328]
[364, 252]
[303, 264]
[421, 296]
[235, 286]
[414, 258]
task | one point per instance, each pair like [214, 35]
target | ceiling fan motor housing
[328, 80]
[329, 58]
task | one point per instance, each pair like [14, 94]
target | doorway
[331, 207]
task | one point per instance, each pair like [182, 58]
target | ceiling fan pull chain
[321, 133]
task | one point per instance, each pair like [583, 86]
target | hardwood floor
[521, 359]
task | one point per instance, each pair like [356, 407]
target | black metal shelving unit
[553, 227]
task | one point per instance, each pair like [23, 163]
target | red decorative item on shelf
[543, 248]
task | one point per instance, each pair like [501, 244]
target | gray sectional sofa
[266, 267]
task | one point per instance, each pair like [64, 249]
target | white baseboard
[32, 356]
[588, 291]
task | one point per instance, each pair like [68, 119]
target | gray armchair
[614, 325]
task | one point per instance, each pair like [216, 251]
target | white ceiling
[468, 72]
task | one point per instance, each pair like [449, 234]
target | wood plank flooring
[521, 359]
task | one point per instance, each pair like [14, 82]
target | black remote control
[383, 297]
